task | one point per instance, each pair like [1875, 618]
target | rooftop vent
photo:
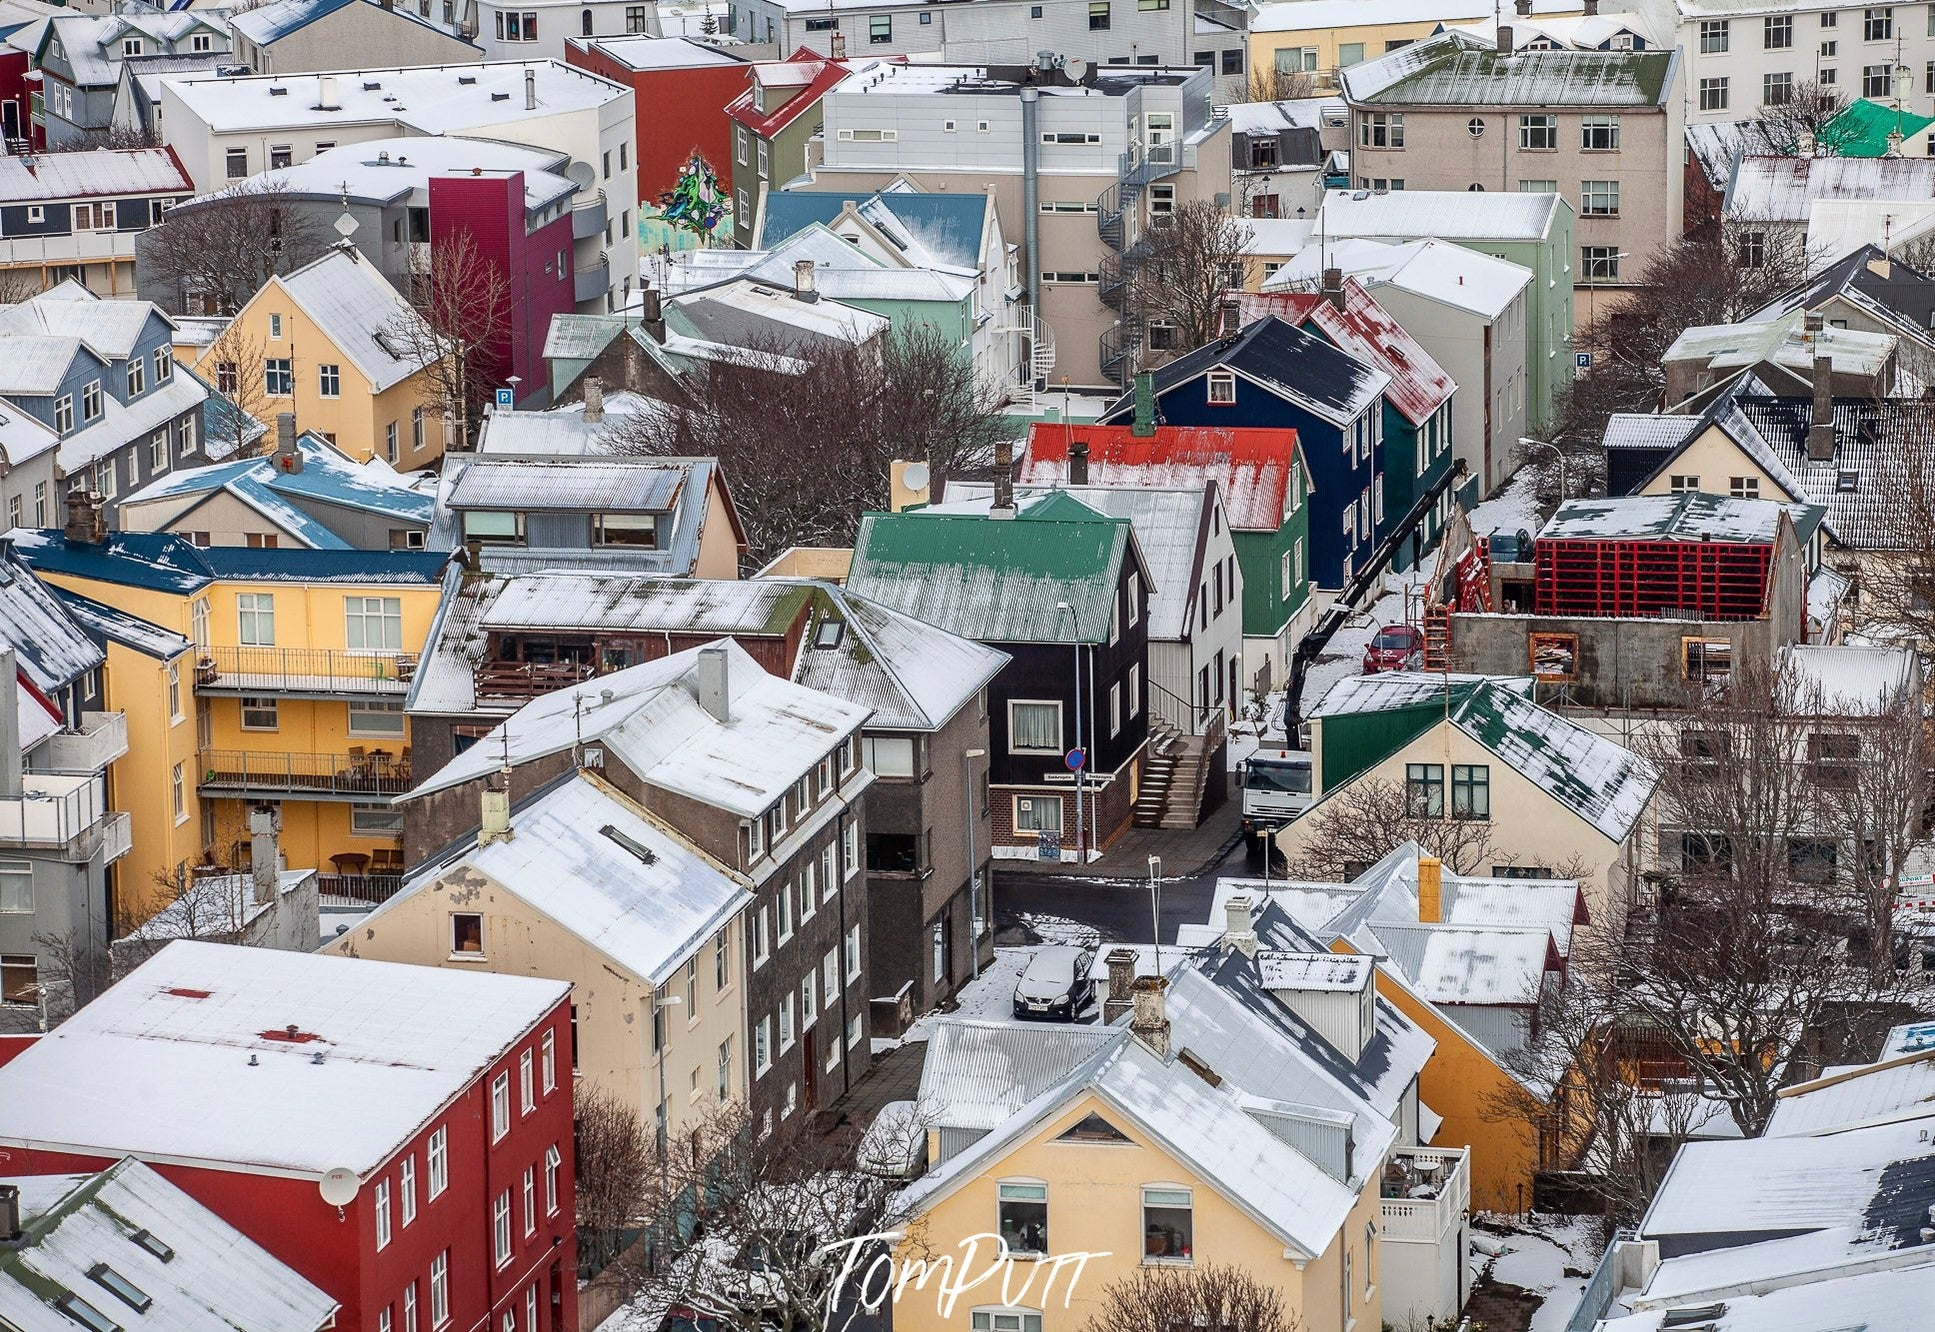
[278, 92]
[500, 97]
[466, 79]
[644, 853]
[372, 85]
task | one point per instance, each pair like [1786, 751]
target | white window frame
[1060, 730]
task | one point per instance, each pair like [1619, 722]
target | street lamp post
[660, 1002]
[1081, 817]
[1565, 480]
[1155, 906]
[974, 870]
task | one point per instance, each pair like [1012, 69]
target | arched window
[584, 17]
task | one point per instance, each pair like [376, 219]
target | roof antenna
[577, 728]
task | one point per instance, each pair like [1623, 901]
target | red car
[1395, 647]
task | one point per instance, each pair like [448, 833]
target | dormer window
[131, 47]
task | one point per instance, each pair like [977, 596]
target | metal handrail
[372, 773]
[278, 670]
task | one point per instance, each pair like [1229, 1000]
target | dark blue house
[1274, 375]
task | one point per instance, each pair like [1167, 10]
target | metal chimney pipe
[530, 90]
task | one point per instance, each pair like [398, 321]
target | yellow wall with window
[142, 781]
[1095, 1204]
[357, 418]
[1322, 51]
[308, 735]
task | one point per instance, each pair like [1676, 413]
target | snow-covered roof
[437, 99]
[609, 873]
[1314, 15]
[1457, 69]
[353, 305]
[842, 271]
[743, 313]
[1254, 470]
[645, 53]
[1783, 189]
[616, 485]
[328, 477]
[121, 172]
[119, 423]
[110, 329]
[1434, 269]
[53, 650]
[1403, 215]
[270, 23]
[979, 1075]
[650, 719]
[1687, 516]
[1345, 972]
[1640, 430]
[213, 1277]
[92, 43]
[1469, 964]
[1276, 117]
[914, 676]
[1902, 1087]
[1224, 1136]
[1284, 360]
[1418, 386]
[186, 1058]
[1721, 1194]
[1854, 679]
[110, 624]
[938, 231]
[1785, 342]
[1891, 1299]
[384, 170]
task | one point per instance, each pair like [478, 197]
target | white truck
[1276, 789]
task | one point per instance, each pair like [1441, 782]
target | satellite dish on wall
[582, 175]
[338, 1187]
[1076, 68]
[915, 477]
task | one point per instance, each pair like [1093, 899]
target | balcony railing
[347, 776]
[63, 812]
[528, 679]
[103, 738]
[78, 247]
[592, 280]
[375, 889]
[1428, 1189]
[588, 216]
[272, 670]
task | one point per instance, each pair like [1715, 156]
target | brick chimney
[714, 694]
[1078, 463]
[1431, 890]
[495, 825]
[85, 523]
[1334, 287]
[1504, 39]
[652, 318]
[1239, 931]
[594, 400]
[1150, 1025]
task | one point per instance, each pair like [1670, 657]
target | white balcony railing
[117, 837]
[1427, 1190]
[103, 738]
[80, 247]
[59, 811]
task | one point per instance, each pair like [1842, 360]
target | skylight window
[829, 634]
[644, 853]
[153, 1244]
[1847, 481]
[120, 1287]
[80, 1311]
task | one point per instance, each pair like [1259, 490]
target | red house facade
[446, 1107]
[680, 88]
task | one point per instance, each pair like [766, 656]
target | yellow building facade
[1096, 1196]
[291, 694]
[1320, 37]
[328, 342]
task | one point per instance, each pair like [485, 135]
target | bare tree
[753, 1229]
[235, 366]
[1896, 579]
[459, 327]
[1180, 272]
[1270, 84]
[1745, 952]
[20, 284]
[1801, 124]
[614, 1171]
[1221, 1296]
[1358, 826]
[117, 137]
[212, 254]
[769, 412]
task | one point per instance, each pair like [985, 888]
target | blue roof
[107, 624]
[163, 562]
[328, 477]
[949, 225]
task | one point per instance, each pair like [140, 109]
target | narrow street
[1030, 908]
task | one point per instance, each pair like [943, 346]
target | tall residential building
[1603, 129]
[1742, 56]
[1082, 161]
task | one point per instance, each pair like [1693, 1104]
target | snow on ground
[991, 995]
[1513, 507]
[1550, 1256]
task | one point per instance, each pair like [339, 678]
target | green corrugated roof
[1862, 129]
[997, 580]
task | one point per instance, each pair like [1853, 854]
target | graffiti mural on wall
[689, 214]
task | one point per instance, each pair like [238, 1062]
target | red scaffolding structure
[1644, 579]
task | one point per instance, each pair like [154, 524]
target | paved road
[1118, 910]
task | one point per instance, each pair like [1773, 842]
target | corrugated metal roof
[360, 314]
[1459, 69]
[1782, 189]
[980, 1074]
[215, 1277]
[1418, 385]
[1897, 1088]
[1254, 470]
[604, 486]
[1688, 516]
[115, 171]
[1285, 360]
[52, 649]
[996, 580]
[1404, 215]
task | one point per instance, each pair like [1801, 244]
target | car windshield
[1396, 640]
[1263, 775]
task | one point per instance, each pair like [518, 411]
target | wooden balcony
[363, 776]
[528, 679]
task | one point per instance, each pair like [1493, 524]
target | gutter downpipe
[1031, 207]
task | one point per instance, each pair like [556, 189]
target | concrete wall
[1621, 663]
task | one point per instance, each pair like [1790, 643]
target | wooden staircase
[1175, 771]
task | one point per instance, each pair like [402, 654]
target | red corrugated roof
[1419, 385]
[745, 107]
[1251, 467]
